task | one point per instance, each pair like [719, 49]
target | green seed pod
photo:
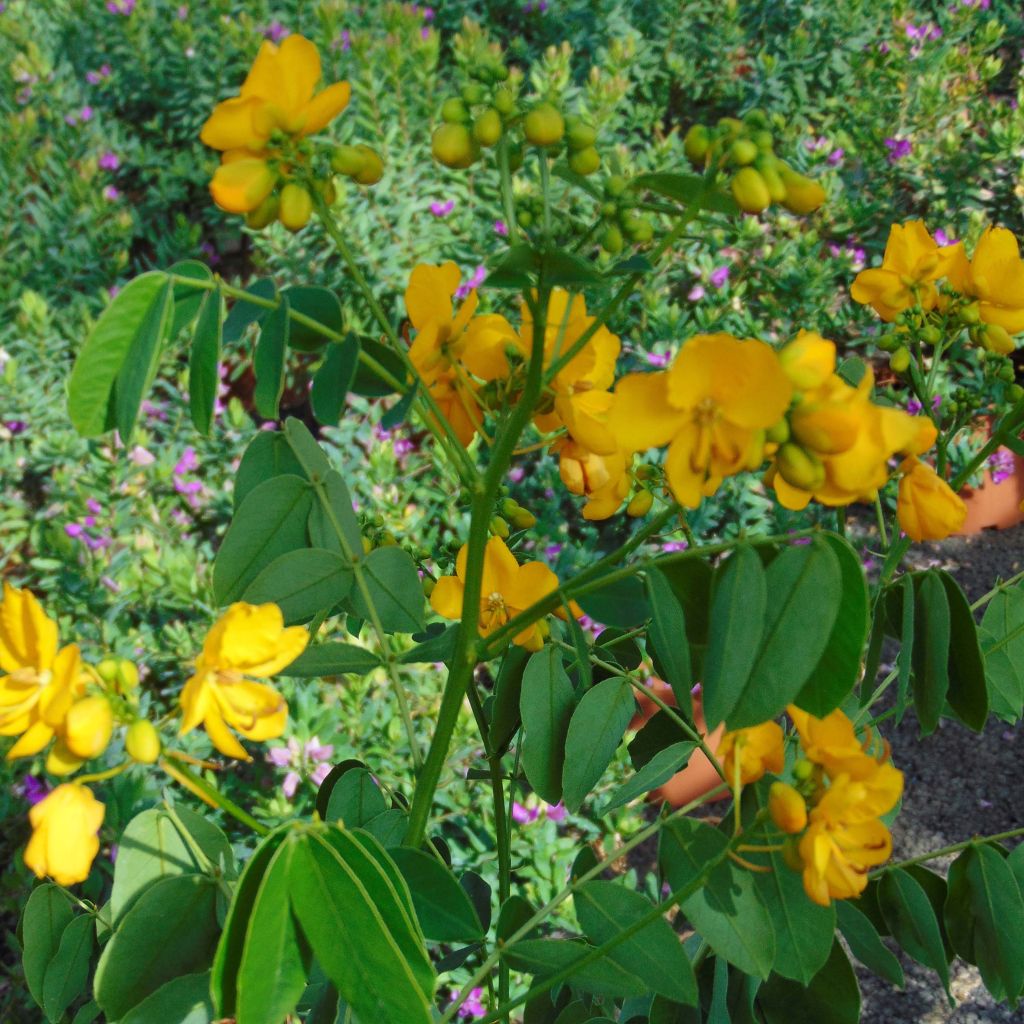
[696, 144]
[487, 127]
[750, 191]
[743, 151]
[373, 167]
[264, 214]
[900, 360]
[544, 125]
[452, 145]
[585, 161]
[454, 111]
[296, 207]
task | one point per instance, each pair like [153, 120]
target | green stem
[545, 188]
[507, 199]
[464, 658]
[880, 515]
[946, 850]
[215, 796]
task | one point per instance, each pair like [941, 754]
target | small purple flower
[319, 773]
[1001, 465]
[501, 228]
[187, 462]
[343, 42]
[33, 789]
[317, 751]
[516, 474]
[552, 551]
[659, 359]
[898, 149]
[914, 406]
[941, 238]
[85, 114]
[291, 784]
[16, 427]
[524, 815]
[93, 77]
[556, 812]
[696, 293]
[182, 13]
[111, 584]
[475, 280]
[719, 276]
[111, 194]
[139, 456]
[835, 158]
[109, 161]
[93, 506]
[936, 403]
[280, 756]
[439, 209]
[472, 1008]
[674, 545]
[74, 530]
[71, 119]
[275, 31]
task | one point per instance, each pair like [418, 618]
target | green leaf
[171, 930]
[396, 415]
[319, 304]
[270, 522]
[439, 645]
[688, 189]
[832, 997]
[659, 733]
[332, 381]
[968, 693]
[336, 509]
[244, 313]
[512, 916]
[931, 649]
[906, 655]
[355, 799]
[91, 401]
[804, 587]
[866, 945]
[736, 625]
[508, 689]
[909, 916]
[654, 954]
[839, 667]
[152, 847]
[268, 361]
[727, 910]
[549, 956]
[47, 913]
[89, 1012]
[367, 382]
[224, 975]
[546, 703]
[204, 363]
[188, 299]
[594, 734]
[620, 603]
[183, 1000]
[1002, 641]
[513, 268]
[984, 916]
[666, 637]
[302, 583]
[349, 933]
[656, 772]
[269, 455]
[394, 591]
[561, 267]
[275, 959]
[141, 361]
[442, 907]
[68, 971]
[332, 659]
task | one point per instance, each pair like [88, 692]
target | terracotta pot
[699, 775]
[995, 505]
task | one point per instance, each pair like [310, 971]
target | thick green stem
[946, 850]
[188, 778]
[464, 658]
[507, 198]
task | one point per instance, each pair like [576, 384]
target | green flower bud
[523, 519]
[296, 207]
[264, 214]
[900, 359]
[142, 741]
[889, 343]
[585, 161]
[348, 160]
[743, 152]
[615, 185]
[750, 191]
[373, 167]
[756, 118]
[1014, 392]
[778, 433]
[696, 144]
[581, 135]
[609, 210]
[764, 141]
[544, 125]
[767, 167]
[1006, 373]
[730, 127]
[487, 127]
[472, 94]
[799, 467]
[931, 335]
[504, 102]
[452, 145]
[640, 504]
[498, 527]
[611, 240]
[454, 111]
[525, 218]
[428, 586]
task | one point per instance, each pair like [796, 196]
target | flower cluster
[50, 698]
[832, 810]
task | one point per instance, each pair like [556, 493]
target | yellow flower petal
[641, 416]
[28, 639]
[325, 107]
[446, 597]
[240, 186]
[428, 296]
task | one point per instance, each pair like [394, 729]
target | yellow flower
[713, 405]
[995, 277]
[787, 808]
[581, 401]
[247, 642]
[927, 507]
[830, 741]
[603, 479]
[808, 360]
[278, 97]
[65, 834]
[912, 263]
[759, 749]
[837, 859]
[508, 589]
[83, 735]
[41, 682]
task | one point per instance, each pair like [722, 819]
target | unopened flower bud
[585, 161]
[264, 214]
[611, 240]
[767, 167]
[803, 769]
[509, 507]
[802, 194]
[372, 169]
[454, 111]
[452, 145]
[900, 360]
[504, 102]
[791, 855]
[88, 727]
[997, 339]
[743, 151]
[142, 741]
[472, 93]
[787, 808]
[640, 504]
[544, 125]
[499, 527]
[799, 467]
[971, 314]
[580, 135]
[931, 335]
[487, 127]
[779, 433]
[750, 191]
[348, 160]
[696, 144]
[428, 586]
[523, 519]
[296, 207]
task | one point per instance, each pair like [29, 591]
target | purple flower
[552, 551]
[835, 158]
[439, 209]
[33, 789]
[317, 751]
[914, 406]
[501, 228]
[16, 427]
[109, 161]
[474, 281]
[523, 815]
[472, 1008]
[516, 474]
[93, 506]
[696, 293]
[556, 812]
[674, 545]
[74, 530]
[660, 359]
[280, 756]
[275, 31]
[182, 13]
[187, 462]
[139, 456]
[719, 276]
[936, 403]
[941, 238]
[898, 149]
[111, 194]
[93, 77]
[319, 773]
[291, 784]
[1001, 465]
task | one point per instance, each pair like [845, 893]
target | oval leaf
[302, 583]
[442, 907]
[546, 703]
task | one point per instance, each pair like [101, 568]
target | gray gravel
[958, 784]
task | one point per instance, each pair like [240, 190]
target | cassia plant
[360, 914]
